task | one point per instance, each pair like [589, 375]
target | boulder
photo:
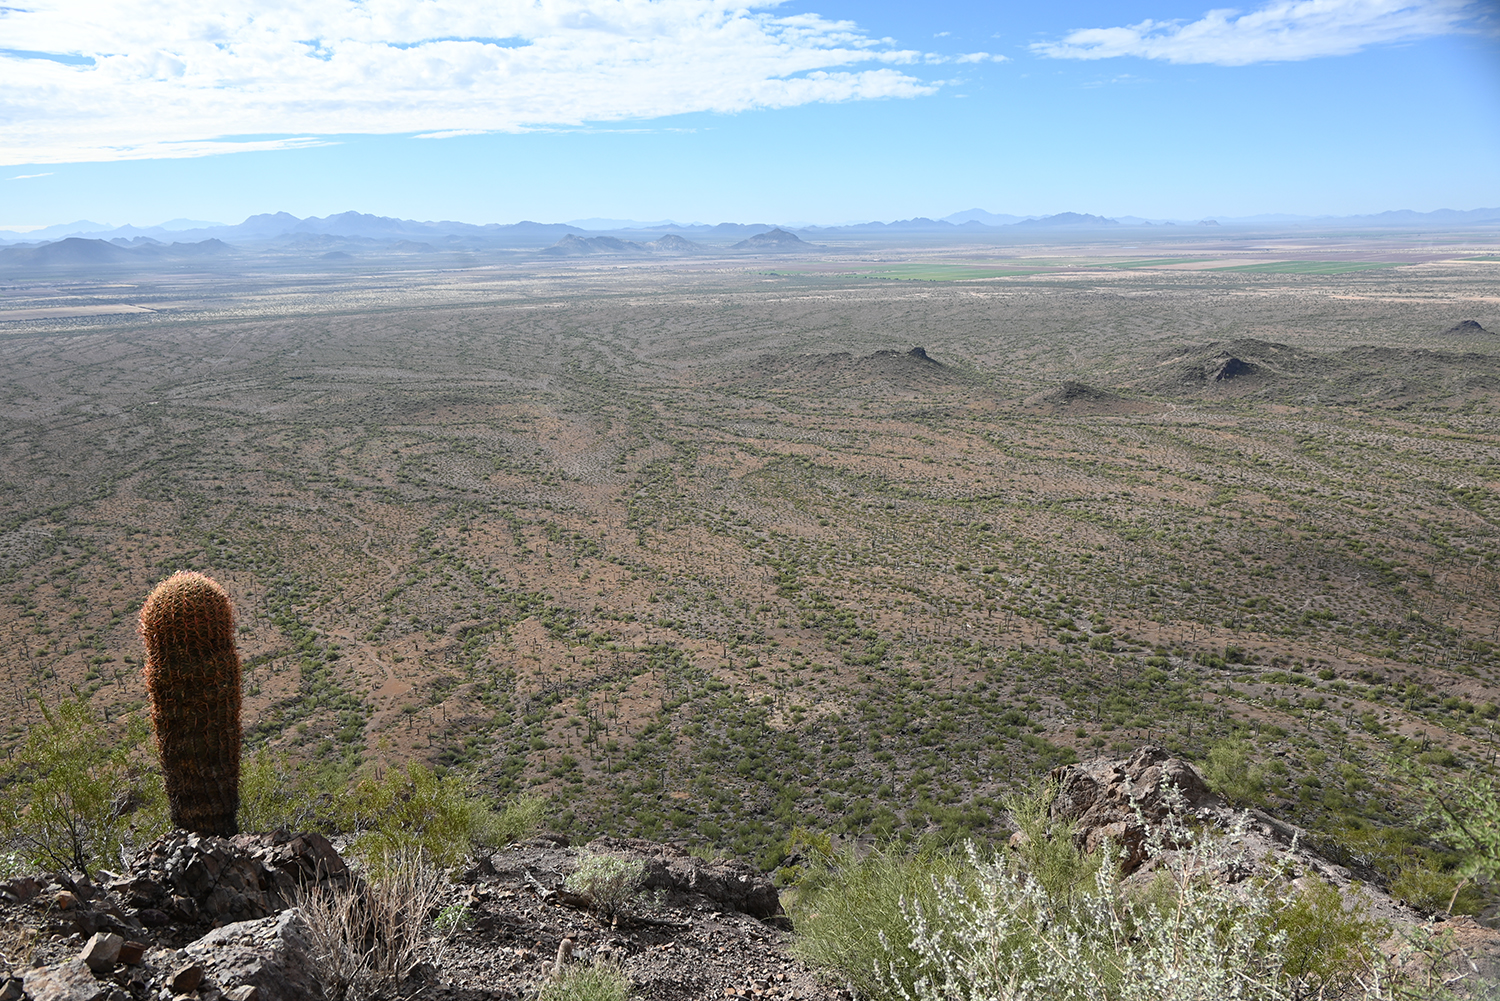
[102, 951]
[1107, 799]
[274, 955]
[68, 981]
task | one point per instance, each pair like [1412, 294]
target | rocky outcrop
[1117, 800]
[195, 881]
[213, 918]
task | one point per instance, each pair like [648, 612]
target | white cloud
[27, 177]
[1279, 32]
[165, 78]
[980, 57]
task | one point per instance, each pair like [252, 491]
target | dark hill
[671, 243]
[72, 251]
[1379, 375]
[776, 240]
[1073, 397]
[1238, 366]
[573, 245]
[892, 376]
[1466, 328]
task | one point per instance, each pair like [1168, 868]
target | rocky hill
[214, 918]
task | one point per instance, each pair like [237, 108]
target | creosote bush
[75, 798]
[849, 918]
[609, 881]
[409, 808]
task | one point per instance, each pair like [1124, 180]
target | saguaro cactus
[193, 678]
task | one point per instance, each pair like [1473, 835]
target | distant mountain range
[78, 251]
[348, 231]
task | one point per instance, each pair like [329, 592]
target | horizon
[810, 113]
[79, 227]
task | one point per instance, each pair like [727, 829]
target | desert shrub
[518, 820]
[587, 982]
[1466, 808]
[1192, 938]
[75, 798]
[1229, 773]
[413, 809]
[609, 881]
[366, 936]
[1048, 853]
[276, 794]
[1040, 922]
[851, 919]
[410, 807]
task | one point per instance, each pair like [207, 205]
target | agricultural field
[707, 554]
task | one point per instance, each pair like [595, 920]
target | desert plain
[857, 538]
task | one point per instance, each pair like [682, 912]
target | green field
[1153, 263]
[943, 272]
[1308, 267]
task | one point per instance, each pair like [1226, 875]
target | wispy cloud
[167, 78]
[1278, 32]
[27, 177]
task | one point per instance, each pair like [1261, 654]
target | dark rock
[186, 979]
[1234, 368]
[203, 880]
[730, 883]
[152, 918]
[1466, 328]
[22, 888]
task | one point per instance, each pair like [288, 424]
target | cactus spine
[193, 679]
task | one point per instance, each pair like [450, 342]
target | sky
[806, 111]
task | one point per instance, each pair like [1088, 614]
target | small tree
[76, 797]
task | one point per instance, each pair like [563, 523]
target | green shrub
[587, 982]
[412, 809]
[1229, 773]
[276, 794]
[75, 798]
[519, 820]
[609, 881]
[1047, 850]
[1431, 890]
[852, 919]
[1041, 922]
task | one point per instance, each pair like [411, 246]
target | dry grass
[368, 937]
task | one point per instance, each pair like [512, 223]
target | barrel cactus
[193, 679]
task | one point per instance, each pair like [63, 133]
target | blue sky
[701, 110]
